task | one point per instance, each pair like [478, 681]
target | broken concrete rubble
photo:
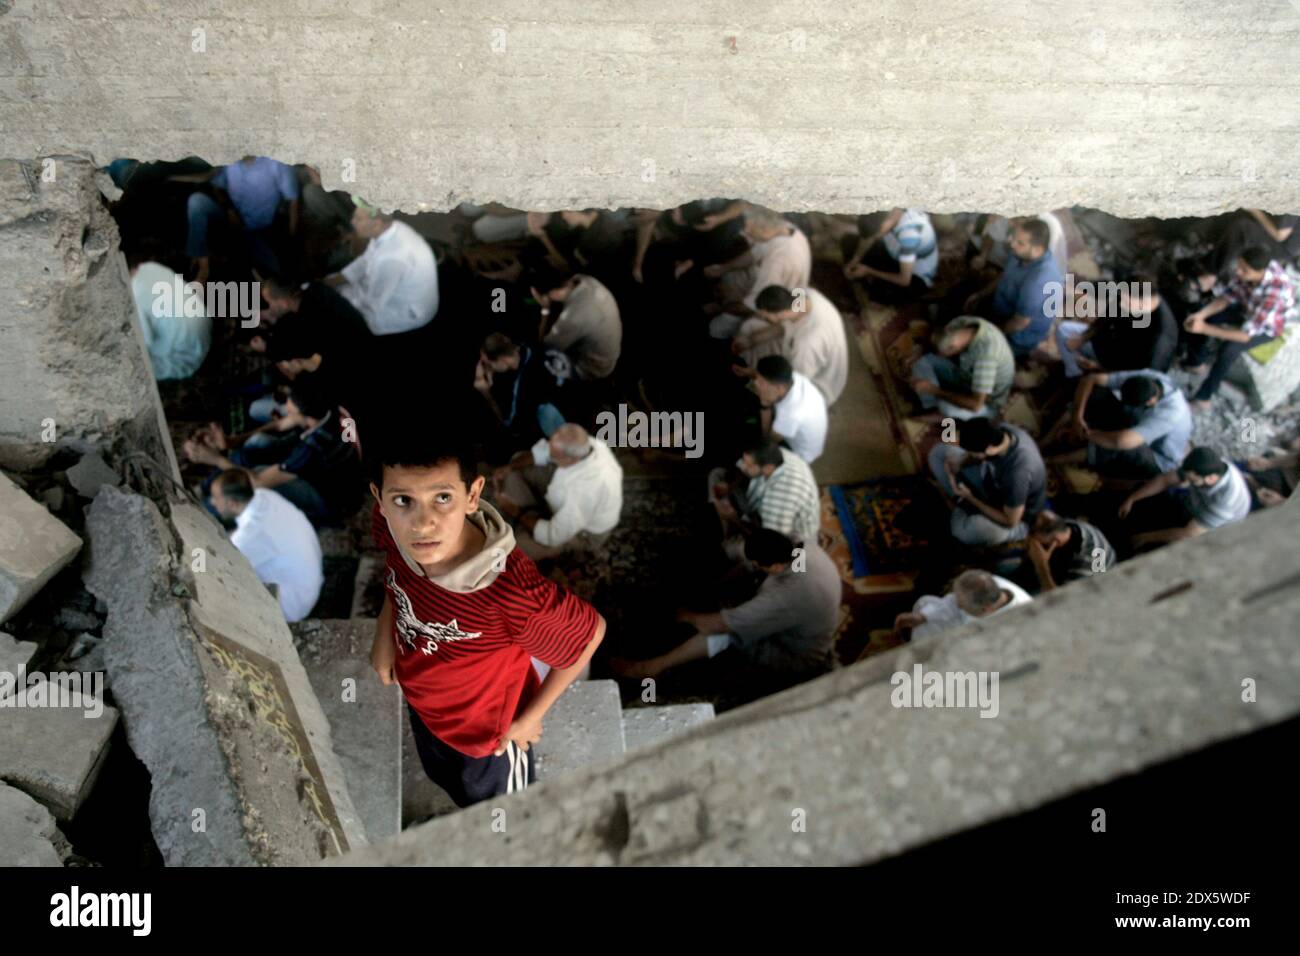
[54, 753]
[90, 474]
[28, 833]
[74, 366]
[15, 655]
[34, 546]
[215, 701]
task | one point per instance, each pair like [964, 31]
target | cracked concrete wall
[1098, 679]
[1166, 107]
[73, 367]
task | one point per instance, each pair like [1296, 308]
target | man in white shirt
[394, 283]
[276, 537]
[974, 595]
[581, 483]
[794, 411]
[176, 330]
[779, 254]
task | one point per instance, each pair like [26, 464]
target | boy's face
[426, 509]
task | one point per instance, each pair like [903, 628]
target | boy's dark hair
[766, 547]
[775, 298]
[498, 345]
[292, 337]
[1037, 231]
[308, 392]
[766, 452]
[1204, 462]
[1257, 257]
[977, 434]
[1138, 390]
[398, 444]
[236, 485]
[776, 369]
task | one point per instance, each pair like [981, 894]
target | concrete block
[27, 831]
[90, 474]
[233, 609]
[34, 546]
[15, 655]
[584, 727]
[365, 717]
[54, 753]
[216, 702]
[648, 725]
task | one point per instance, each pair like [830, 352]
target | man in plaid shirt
[1262, 295]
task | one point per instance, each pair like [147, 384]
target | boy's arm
[527, 727]
[382, 652]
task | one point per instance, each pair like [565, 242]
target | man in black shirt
[997, 478]
[1144, 335]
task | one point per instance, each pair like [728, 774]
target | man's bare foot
[1196, 369]
[1200, 405]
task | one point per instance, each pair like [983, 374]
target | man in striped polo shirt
[971, 372]
[780, 494]
[464, 615]
[1204, 493]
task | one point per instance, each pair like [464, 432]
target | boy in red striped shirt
[465, 613]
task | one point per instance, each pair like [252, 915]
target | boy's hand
[523, 732]
[382, 655]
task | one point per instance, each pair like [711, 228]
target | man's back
[589, 329]
[943, 614]
[256, 188]
[593, 486]
[1226, 502]
[283, 549]
[818, 347]
[394, 282]
[800, 418]
[177, 343]
[794, 615]
[1020, 473]
[1166, 426]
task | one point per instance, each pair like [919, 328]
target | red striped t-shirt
[464, 659]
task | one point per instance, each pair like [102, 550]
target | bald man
[565, 493]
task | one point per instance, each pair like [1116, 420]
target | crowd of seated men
[709, 306]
